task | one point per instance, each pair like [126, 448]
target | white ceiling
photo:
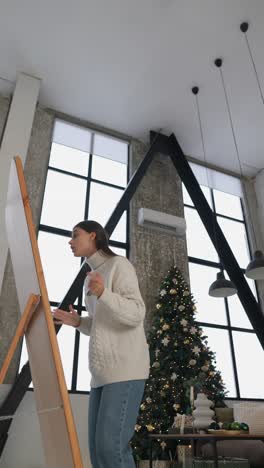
[130, 66]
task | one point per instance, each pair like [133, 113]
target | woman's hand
[95, 283]
[66, 318]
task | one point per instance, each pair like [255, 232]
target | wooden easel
[32, 303]
[59, 436]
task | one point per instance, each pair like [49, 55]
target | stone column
[259, 191]
[254, 212]
[153, 253]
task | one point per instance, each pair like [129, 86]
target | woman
[118, 351]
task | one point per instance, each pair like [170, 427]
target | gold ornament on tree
[176, 406]
[150, 428]
[156, 364]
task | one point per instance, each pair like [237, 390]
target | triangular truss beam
[170, 147]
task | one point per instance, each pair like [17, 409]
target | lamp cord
[205, 162]
[254, 66]
[237, 153]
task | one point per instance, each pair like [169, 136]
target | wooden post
[30, 308]
[59, 435]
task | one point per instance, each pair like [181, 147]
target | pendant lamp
[255, 268]
[222, 287]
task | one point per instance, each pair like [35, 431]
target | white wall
[15, 142]
[23, 448]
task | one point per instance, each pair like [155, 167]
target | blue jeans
[113, 411]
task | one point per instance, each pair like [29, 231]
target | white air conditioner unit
[161, 221]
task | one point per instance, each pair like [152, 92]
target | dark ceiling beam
[228, 260]
[170, 147]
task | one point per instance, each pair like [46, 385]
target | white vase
[202, 413]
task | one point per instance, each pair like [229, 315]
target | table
[193, 438]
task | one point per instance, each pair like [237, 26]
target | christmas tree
[180, 359]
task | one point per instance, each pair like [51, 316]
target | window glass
[227, 204]
[59, 265]
[69, 159]
[118, 251]
[209, 309]
[119, 233]
[66, 339]
[199, 244]
[187, 199]
[67, 200]
[249, 356]
[110, 148]
[207, 193]
[219, 343]
[252, 286]
[64, 201]
[83, 373]
[74, 136]
[24, 357]
[103, 201]
[235, 235]
[238, 316]
[214, 310]
[109, 171]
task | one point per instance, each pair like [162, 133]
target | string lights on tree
[180, 360]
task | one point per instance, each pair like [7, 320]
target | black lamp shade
[222, 287]
[255, 269]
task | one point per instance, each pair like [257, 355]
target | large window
[230, 333]
[87, 175]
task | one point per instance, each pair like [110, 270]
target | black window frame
[229, 328]
[65, 233]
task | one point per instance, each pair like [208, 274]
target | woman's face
[82, 243]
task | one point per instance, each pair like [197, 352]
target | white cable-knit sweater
[118, 349]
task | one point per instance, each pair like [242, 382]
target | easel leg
[30, 308]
